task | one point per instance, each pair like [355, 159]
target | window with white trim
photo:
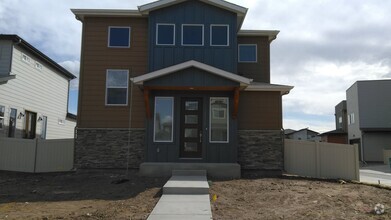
[2, 112]
[247, 53]
[218, 119]
[26, 58]
[163, 119]
[117, 87]
[38, 66]
[192, 34]
[165, 34]
[219, 35]
[119, 37]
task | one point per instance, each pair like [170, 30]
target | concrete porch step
[182, 184]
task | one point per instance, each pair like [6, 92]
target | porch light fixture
[20, 115]
[40, 118]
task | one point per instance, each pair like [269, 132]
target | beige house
[33, 93]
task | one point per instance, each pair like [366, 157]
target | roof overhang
[6, 78]
[139, 80]
[271, 34]
[266, 87]
[80, 14]
[239, 10]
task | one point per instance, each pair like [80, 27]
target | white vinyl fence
[36, 156]
[321, 160]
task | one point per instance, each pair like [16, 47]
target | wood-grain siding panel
[259, 71]
[260, 111]
[97, 57]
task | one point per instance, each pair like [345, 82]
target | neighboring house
[340, 134]
[189, 83]
[302, 134]
[369, 117]
[33, 93]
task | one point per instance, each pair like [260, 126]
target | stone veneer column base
[261, 150]
[108, 148]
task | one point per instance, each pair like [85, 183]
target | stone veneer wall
[108, 148]
[261, 150]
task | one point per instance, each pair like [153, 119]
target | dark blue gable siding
[193, 12]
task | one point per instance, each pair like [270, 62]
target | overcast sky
[322, 49]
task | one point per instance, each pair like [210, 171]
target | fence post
[356, 162]
[317, 159]
[35, 156]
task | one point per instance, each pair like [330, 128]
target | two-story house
[340, 134]
[177, 84]
[369, 117]
[33, 93]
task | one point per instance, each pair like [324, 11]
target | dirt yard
[93, 195]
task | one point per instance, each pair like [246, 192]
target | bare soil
[93, 194]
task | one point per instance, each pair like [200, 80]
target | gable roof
[239, 10]
[25, 45]
[139, 80]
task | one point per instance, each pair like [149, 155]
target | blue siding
[193, 12]
[191, 77]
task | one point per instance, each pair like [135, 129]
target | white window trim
[27, 60]
[38, 66]
[2, 117]
[256, 53]
[108, 38]
[172, 116]
[211, 34]
[118, 87]
[157, 34]
[203, 35]
[210, 121]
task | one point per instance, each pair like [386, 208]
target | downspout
[130, 122]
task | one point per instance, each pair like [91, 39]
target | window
[117, 87]
[352, 118]
[2, 111]
[219, 35]
[119, 37]
[218, 132]
[44, 127]
[38, 65]
[192, 34]
[163, 119]
[340, 119]
[165, 34]
[26, 58]
[12, 123]
[349, 120]
[247, 53]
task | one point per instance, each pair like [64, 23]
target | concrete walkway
[376, 174]
[185, 196]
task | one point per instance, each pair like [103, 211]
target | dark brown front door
[191, 128]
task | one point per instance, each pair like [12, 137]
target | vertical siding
[54, 155]
[193, 12]
[44, 92]
[259, 71]
[5, 57]
[96, 59]
[17, 154]
[260, 111]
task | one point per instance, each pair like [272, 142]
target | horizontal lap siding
[259, 71]
[260, 111]
[97, 57]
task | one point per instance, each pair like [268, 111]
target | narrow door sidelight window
[219, 115]
[163, 119]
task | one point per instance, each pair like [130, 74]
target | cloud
[74, 68]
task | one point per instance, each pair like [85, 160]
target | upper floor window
[26, 58]
[219, 35]
[192, 35]
[117, 87]
[119, 37]
[38, 65]
[247, 53]
[2, 111]
[165, 34]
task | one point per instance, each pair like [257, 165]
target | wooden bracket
[146, 101]
[236, 103]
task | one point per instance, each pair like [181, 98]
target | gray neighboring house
[302, 134]
[33, 93]
[369, 117]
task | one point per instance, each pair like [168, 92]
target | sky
[323, 47]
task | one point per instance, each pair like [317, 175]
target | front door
[191, 128]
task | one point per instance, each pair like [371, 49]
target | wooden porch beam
[191, 88]
[146, 101]
[236, 103]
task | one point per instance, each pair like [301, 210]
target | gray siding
[44, 92]
[5, 57]
[374, 143]
[352, 107]
[340, 111]
[191, 77]
[193, 12]
[374, 100]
